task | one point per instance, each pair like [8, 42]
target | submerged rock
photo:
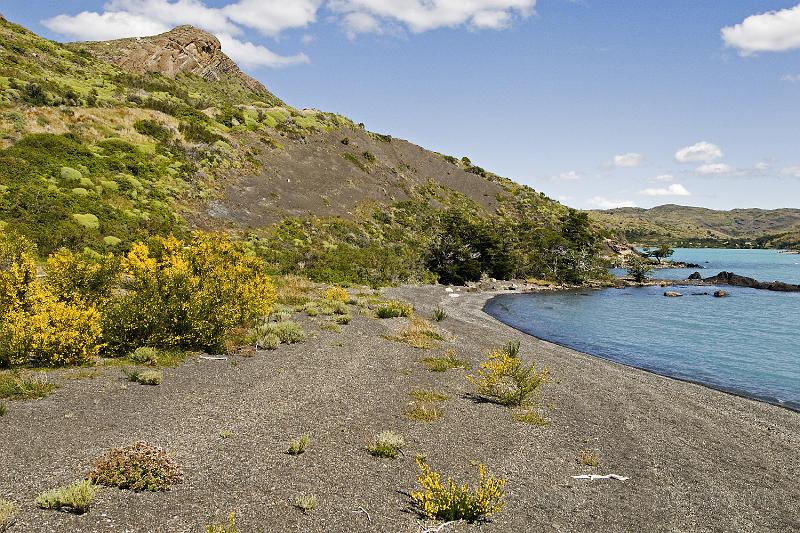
[696, 275]
[721, 294]
[672, 294]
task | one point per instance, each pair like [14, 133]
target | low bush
[505, 379]
[418, 334]
[298, 446]
[287, 332]
[8, 514]
[230, 527]
[76, 498]
[444, 363]
[144, 377]
[305, 502]
[439, 314]
[589, 458]
[449, 501]
[336, 294]
[342, 319]
[387, 444]
[16, 386]
[394, 309]
[138, 467]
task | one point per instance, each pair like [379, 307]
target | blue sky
[596, 103]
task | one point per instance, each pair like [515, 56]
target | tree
[639, 268]
[662, 252]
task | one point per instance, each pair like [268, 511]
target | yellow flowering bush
[85, 277]
[35, 328]
[503, 377]
[186, 294]
[336, 294]
[449, 501]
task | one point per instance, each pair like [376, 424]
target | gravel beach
[697, 459]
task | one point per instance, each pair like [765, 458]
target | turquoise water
[763, 265]
[746, 344]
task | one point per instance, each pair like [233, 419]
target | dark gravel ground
[698, 459]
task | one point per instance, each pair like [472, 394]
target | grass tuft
[298, 446]
[305, 502]
[144, 377]
[589, 458]
[16, 386]
[8, 514]
[75, 498]
[387, 444]
[423, 412]
[447, 362]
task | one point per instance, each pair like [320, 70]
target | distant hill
[696, 226]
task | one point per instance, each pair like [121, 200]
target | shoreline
[718, 388]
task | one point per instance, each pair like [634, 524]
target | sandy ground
[698, 459]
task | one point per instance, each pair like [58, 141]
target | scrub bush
[138, 467]
[8, 514]
[394, 309]
[387, 444]
[504, 378]
[186, 294]
[76, 498]
[449, 501]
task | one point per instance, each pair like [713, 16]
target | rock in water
[696, 275]
[672, 294]
[721, 294]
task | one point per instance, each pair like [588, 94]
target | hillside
[107, 143]
[696, 226]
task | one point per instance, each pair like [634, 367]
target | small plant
[419, 334]
[369, 156]
[75, 498]
[298, 446]
[145, 355]
[589, 458]
[423, 412]
[428, 396]
[639, 269]
[288, 332]
[140, 466]
[336, 294]
[504, 378]
[144, 377]
[447, 362]
[449, 501]
[3, 409]
[439, 314]
[15, 386]
[230, 527]
[387, 444]
[8, 514]
[394, 309]
[305, 502]
[225, 434]
[530, 417]
[342, 319]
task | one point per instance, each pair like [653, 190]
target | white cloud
[793, 172]
[424, 15]
[676, 189]
[89, 26]
[762, 166]
[791, 78]
[774, 31]
[664, 177]
[702, 151]
[270, 17]
[604, 203]
[566, 176]
[628, 160]
[253, 56]
[714, 168]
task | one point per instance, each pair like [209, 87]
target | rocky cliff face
[185, 49]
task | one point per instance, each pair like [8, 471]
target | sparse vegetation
[3, 409]
[428, 395]
[287, 332]
[419, 334]
[531, 417]
[230, 527]
[76, 498]
[439, 314]
[298, 446]
[449, 501]
[505, 379]
[423, 412]
[394, 309]
[305, 502]
[444, 363]
[387, 444]
[17, 386]
[639, 268]
[8, 514]
[138, 467]
[589, 458]
[144, 377]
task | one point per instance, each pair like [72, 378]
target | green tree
[639, 268]
[662, 252]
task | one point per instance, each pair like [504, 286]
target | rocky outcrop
[672, 294]
[721, 294]
[729, 278]
[185, 49]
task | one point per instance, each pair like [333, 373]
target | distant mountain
[696, 226]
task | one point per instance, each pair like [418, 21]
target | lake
[746, 344]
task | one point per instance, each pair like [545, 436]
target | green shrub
[639, 269]
[76, 498]
[305, 502]
[342, 319]
[144, 355]
[369, 156]
[269, 341]
[450, 501]
[393, 309]
[444, 363]
[298, 446]
[387, 444]
[138, 467]
[3, 409]
[287, 332]
[70, 174]
[439, 314]
[230, 527]
[15, 386]
[8, 514]
[153, 129]
[504, 378]
[144, 377]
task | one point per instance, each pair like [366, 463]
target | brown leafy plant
[138, 467]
